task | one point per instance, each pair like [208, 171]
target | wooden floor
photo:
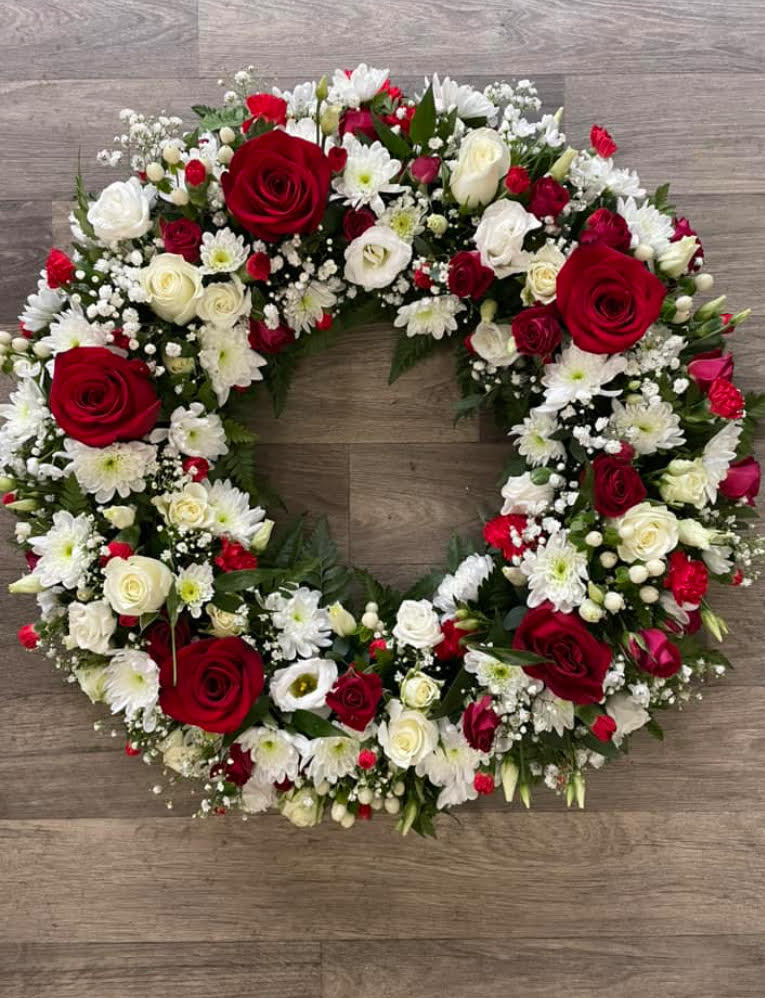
[659, 887]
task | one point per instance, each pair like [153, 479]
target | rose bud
[479, 722]
[425, 169]
[258, 266]
[660, 656]
[517, 180]
[28, 636]
[468, 277]
[705, 367]
[603, 728]
[337, 157]
[602, 142]
[607, 227]
[742, 480]
[59, 269]
[547, 198]
[195, 173]
[358, 122]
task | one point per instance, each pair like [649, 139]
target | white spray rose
[494, 343]
[303, 807]
[675, 259]
[224, 624]
[91, 626]
[500, 234]
[646, 532]
[407, 736]
[482, 162]
[122, 211]
[120, 516]
[417, 624]
[685, 482]
[173, 287]
[376, 257]
[136, 585]
[91, 681]
[223, 302]
[190, 508]
[419, 690]
[542, 275]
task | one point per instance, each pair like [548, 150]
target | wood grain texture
[22, 254]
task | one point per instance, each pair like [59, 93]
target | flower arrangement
[567, 294]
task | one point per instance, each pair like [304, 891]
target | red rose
[688, 579]
[277, 185]
[358, 122]
[354, 698]
[692, 625]
[195, 173]
[617, 486]
[547, 198]
[218, 680]
[682, 229]
[182, 237]
[337, 158]
[449, 647]
[505, 533]
[59, 269]
[725, 399]
[576, 662]
[517, 180]
[607, 300]
[424, 169]
[237, 767]
[607, 227]
[233, 557]
[266, 340]
[660, 656]
[479, 722]
[468, 278]
[537, 330]
[705, 367]
[742, 481]
[98, 397]
[258, 266]
[28, 636]
[603, 728]
[356, 221]
[602, 142]
[265, 107]
[159, 640]
[197, 467]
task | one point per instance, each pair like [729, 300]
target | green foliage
[307, 723]
[460, 548]
[212, 119]
[423, 123]
[660, 200]
[386, 597]
[395, 144]
[329, 575]
[455, 695]
[425, 587]
[72, 498]
[285, 545]
[409, 350]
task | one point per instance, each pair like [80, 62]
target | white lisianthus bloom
[358, 86]
[71, 329]
[274, 753]
[685, 481]
[122, 211]
[550, 713]
[463, 584]
[223, 303]
[261, 536]
[173, 287]
[542, 275]
[557, 573]
[341, 621]
[197, 433]
[194, 585]
[535, 441]
[648, 425]
[304, 684]
[419, 691]
[24, 415]
[406, 736]
[224, 624]
[120, 468]
[131, 684]
[136, 585]
[675, 259]
[647, 531]
[718, 454]
[628, 714]
[376, 257]
[228, 359]
[303, 626]
[367, 174]
[222, 252]
[500, 234]
[434, 316]
[91, 681]
[648, 226]
[483, 160]
[305, 304]
[452, 765]
[521, 495]
[330, 759]
[65, 552]
[578, 376]
[91, 627]
[448, 95]
[417, 624]
[188, 509]
[494, 342]
[232, 514]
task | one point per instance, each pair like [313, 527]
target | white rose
[419, 690]
[407, 736]
[224, 624]
[521, 495]
[91, 626]
[542, 275]
[646, 532]
[494, 343]
[92, 680]
[675, 259]
[483, 161]
[173, 287]
[223, 302]
[183, 750]
[695, 534]
[136, 585]
[417, 624]
[303, 807]
[122, 211]
[303, 685]
[340, 620]
[120, 516]
[685, 482]
[627, 713]
[190, 508]
[500, 234]
[376, 257]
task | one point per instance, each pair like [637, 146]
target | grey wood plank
[26, 226]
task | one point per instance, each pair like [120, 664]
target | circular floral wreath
[235, 249]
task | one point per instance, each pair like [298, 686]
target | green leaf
[511, 656]
[236, 433]
[464, 681]
[395, 144]
[387, 598]
[423, 123]
[409, 350]
[329, 576]
[314, 726]
[72, 498]
[278, 376]
[214, 118]
[607, 749]
[460, 548]
[655, 729]
[283, 549]
[256, 713]
[236, 582]
[514, 617]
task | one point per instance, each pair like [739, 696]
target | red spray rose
[576, 662]
[354, 698]
[687, 578]
[660, 656]
[483, 783]
[683, 228]
[233, 557]
[28, 636]
[547, 197]
[337, 157]
[607, 227]
[499, 534]
[603, 727]
[195, 173]
[258, 266]
[602, 142]
[265, 107]
[725, 399]
[266, 340]
[705, 367]
[607, 299]
[425, 169]
[59, 269]
[617, 486]
[742, 480]
[449, 647]
[218, 681]
[517, 180]
[358, 122]
[479, 722]
[468, 278]
[197, 467]
[356, 221]
[237, 767]
[182, 237]
[277, 185]
[159, 639]
[367, 759]
[98, 397]
[537, 330]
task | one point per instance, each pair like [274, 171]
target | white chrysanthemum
[131, 683]
[331, 759]
[449, 95]
[305, 304]
[462, 586]
[304, 129]
[550, 713]
[718, 454]
[404, 216]
[358, 86]
[592, 175]
[65, 552]
[274, 753]
[648, 425]
[194, 585]
[301, 102]
[41, 306]
[577, 376]
[557, 572]
[451, 765]
[229, 360]
[71, 329]
[232, 514]
[500, 678]
[303, 627]
[647, 224]
[222, 252]
[368, 173]
[197, 433]
[304, 685]
[433, 316]
[24, 415]
[119, 468]
[258, 794]
[522, 495]
[535, 441]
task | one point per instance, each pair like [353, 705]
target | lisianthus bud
[559, 169]
[341, 621]
[710, 308]
[509, 772]
[27, 584]
[262, 536]
[329, 120]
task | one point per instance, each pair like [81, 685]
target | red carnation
[424, 169]
[537, 330]
[501, 532]
[59, 269]
[422, 279]
[270, 341]
[234, 557]
[258, 266]
[28, 636]
[354, 698]
[116, 549]
[367, 759]
[517, 180]
[449, 647]
[656, 654]
[183, 236]
[195, 173]
[547, 198]
[742, 481]
[601, 142]
[725, 399]
[358, 122]
[617, 486]
[468, 278]
[688, 579]
[483, 783]
[479, 722]
[604, 728]
[356, 221]
[265, 107]
[607, 227]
